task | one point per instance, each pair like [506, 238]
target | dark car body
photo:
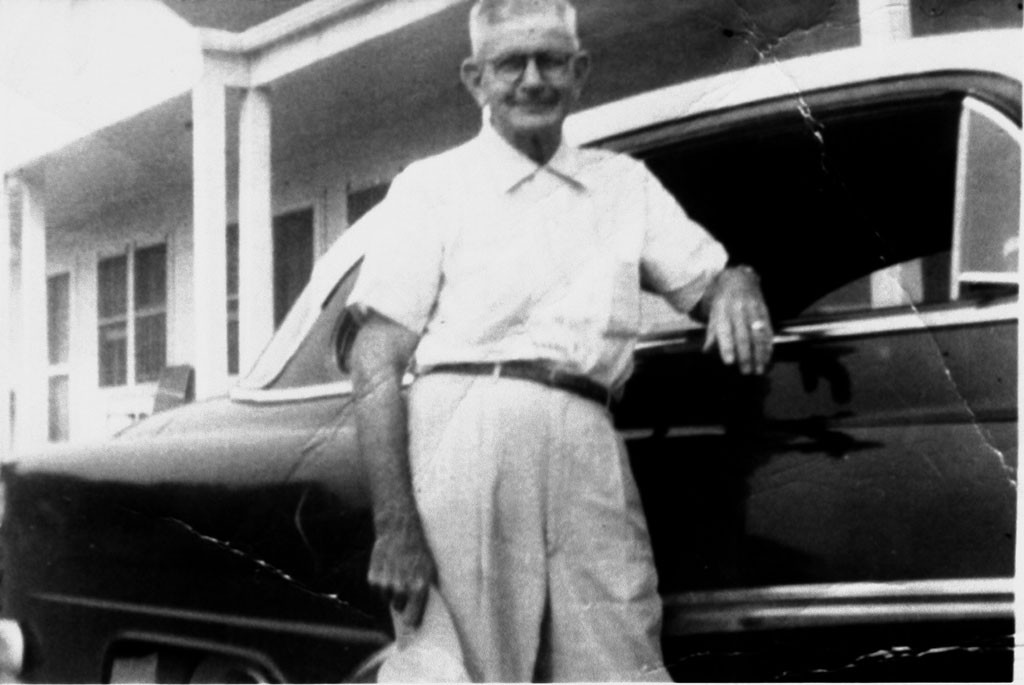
[849, 515]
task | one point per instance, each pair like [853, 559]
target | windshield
[328, 272]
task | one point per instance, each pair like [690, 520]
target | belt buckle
[552, 375]
[497, 370]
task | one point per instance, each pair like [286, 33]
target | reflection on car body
[859, 499]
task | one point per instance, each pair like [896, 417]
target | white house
[180, 234]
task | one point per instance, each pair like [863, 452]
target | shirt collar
[508, 167]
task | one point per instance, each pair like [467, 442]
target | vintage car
[851, 515]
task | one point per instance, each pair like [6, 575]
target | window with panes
[132, 316]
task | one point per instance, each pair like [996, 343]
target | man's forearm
[401, 565]
[383, 439]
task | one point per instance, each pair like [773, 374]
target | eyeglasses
[552, 66]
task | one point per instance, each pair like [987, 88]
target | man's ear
[471, 74]
[581, 69]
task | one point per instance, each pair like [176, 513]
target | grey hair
[488, 13]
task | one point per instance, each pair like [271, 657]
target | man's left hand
[738, 322]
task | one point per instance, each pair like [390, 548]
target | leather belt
[532, 371]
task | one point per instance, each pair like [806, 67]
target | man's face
[529, 72]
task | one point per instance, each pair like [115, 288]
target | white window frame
[129, 250]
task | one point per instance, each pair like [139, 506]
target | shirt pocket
[623, 299]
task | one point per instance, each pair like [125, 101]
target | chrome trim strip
[856, 590]
[802, 606]
[674, 432]
[988, 277]
[706, 612]
[906, 321]
[694, 431]
[700, 621]
[636, 433]
[325, 631]
[306, 392]
[884, 323]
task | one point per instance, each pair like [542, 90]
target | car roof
[998, 52]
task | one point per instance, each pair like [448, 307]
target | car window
[847, 208]
[987, 210]
[302, 351]
[315, 362]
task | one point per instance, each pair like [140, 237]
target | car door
[881, 445]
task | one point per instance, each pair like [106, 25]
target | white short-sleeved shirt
[490, 257]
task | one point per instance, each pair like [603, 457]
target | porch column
[255, 228]
[884, 21]
[7, 365]
[31, 407]
[209, 236]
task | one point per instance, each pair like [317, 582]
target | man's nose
[531, 74]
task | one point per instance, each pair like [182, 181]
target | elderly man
[510, 272]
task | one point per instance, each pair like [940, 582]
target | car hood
[219, 441]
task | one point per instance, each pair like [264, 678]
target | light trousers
[535, 522]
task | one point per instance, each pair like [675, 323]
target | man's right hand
[402, 567]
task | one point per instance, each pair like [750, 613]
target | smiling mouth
[536, 107]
